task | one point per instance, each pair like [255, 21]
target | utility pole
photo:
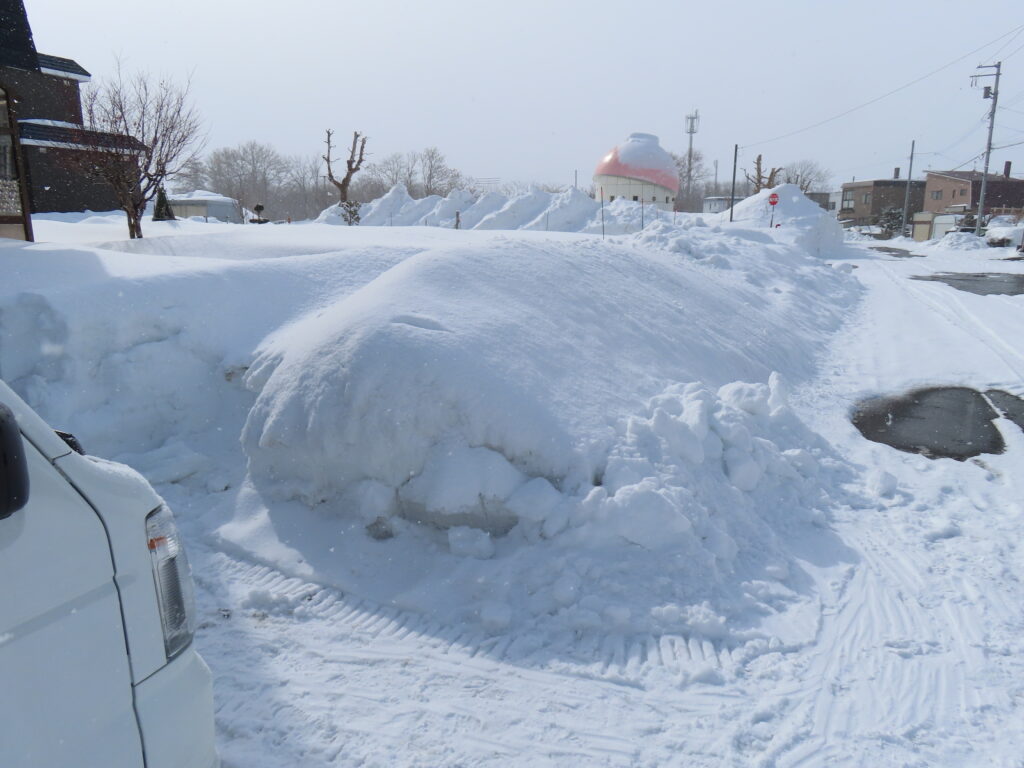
[732, 194]
[692, 123]
[988, 93]
[906, 196]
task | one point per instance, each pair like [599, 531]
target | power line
[1006, 45]
[1015, 30]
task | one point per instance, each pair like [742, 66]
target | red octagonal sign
[773, 199]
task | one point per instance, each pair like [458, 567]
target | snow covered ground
[503, 497]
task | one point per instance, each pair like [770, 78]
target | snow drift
[551, 402]
[501, 429]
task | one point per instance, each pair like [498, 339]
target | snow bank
[798, 218]
[556, 409]
[498, 429]
[807, 224]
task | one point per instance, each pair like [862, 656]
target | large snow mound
[568, 408]
[499, 429]
[796, 216]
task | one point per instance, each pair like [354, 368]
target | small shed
[208, 205]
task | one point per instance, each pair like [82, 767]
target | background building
[638, 170]
[209, 205]
[46, 111]
[959, 191]
[864, 202]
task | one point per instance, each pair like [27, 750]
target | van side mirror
[13, 465]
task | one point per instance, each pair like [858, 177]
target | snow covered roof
[641, 157]
[199, 195]
[61, 67]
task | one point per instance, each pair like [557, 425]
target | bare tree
[139, 131]
[438, 178]
[389, 170]
[759, 179]
[806, 174]
[192, 176]
[698, 172]
[356, 155]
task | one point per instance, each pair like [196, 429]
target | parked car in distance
[97, 665]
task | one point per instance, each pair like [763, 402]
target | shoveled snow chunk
[743, 471]
[752, 398]
[470, 542]
[534, 500]
[882, 483]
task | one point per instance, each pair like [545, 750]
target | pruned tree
[807, 174]
[759, 179]
[356, 156]
[139, 131]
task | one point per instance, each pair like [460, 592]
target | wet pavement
[980, 283]
[939, 422]
[900, 253]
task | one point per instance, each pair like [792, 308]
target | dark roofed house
[959, 191]
[47, 135]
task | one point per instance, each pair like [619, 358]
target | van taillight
[173, 579]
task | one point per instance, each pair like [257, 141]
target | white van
[97, 666]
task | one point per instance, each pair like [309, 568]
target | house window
[847, 203]
[654, 198]
[611, 199]
[666, 198]
[936, 194]
[866, 198]
[636, 199]
[963, 191]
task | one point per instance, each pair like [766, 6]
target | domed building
[638, 170]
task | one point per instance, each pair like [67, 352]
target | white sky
[529, 90]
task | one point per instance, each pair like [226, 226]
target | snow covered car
[96, 613]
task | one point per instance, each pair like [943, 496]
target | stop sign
[773, 199]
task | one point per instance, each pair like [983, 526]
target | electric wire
[1014, 31]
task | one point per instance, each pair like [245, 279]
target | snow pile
[962, 241]
[798, 219]
[804, 222]
[1010, 235]
[569, 211]
[551, 410]
[501, 429]
[518, 211]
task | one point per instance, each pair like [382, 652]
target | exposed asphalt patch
[900, 253]
[981, 283]
[939, 422]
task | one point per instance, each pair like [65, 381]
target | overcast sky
[529, 90]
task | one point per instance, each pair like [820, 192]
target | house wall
[882, 194]
[42, 96]
[54, 185]
[1002, 194]
[941, 192]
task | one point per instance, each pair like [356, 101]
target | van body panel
[175, 709]
[37, 431]
[65, 682]
[122, 498]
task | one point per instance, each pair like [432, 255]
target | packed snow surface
[495, 497]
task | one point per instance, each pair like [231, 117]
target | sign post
[773, 200]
